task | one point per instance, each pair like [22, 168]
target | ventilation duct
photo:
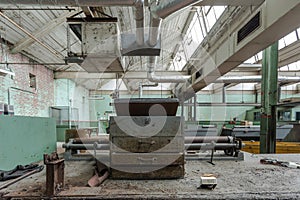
[160, 11]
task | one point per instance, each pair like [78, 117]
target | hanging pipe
[139, 20]
[162, 79]
[140, 90]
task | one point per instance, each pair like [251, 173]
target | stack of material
[281, 147]
[146, 147]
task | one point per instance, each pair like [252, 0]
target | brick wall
[16, 90]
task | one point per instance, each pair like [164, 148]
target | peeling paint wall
[27, 101]
[25, 140]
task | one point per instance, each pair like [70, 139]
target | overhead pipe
[141, 86]
[165, 8]
[162, 79]
[159, 11]
[254, 79]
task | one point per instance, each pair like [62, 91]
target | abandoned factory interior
[149, 99]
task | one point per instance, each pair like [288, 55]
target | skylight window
[291, 67]
[204, 19]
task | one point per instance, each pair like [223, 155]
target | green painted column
[269, 95]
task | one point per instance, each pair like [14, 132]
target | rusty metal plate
[146, 107]
[149, 159]
[145, 145]
[169, 172]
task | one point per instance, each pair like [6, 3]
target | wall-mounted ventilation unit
[249, 28]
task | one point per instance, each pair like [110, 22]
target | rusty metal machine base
[54, 174]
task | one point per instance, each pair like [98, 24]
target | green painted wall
[25, 139]
[67, 93]
[222, 113]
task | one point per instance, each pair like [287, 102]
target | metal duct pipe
[254, 79]
[161, 10]
[140, 90]
[166, 79]
[165, 8]
[148, 85]
[141, 86]
[162, 79]
[139, 20]
[288, 79]
[154, 29]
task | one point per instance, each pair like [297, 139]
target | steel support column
[195, 108]
[269, 99]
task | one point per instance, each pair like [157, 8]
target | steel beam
[269, 100]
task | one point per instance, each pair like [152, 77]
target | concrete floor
[236, 180]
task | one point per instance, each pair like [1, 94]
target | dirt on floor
[246, 179]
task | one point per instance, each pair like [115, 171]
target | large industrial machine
[146, 140]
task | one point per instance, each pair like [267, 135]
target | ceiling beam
[44, 30]
[289, 54]
[128, 75]
[87, 11]
[286, 56]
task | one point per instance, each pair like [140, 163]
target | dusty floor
[236, 180]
